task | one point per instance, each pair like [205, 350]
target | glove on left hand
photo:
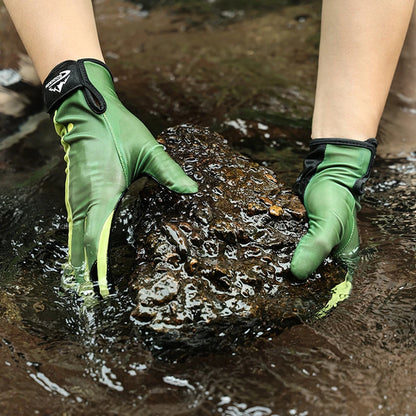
[330, 186]
[106, 149]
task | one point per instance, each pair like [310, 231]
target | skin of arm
[55, 31]
[359, 49]
[360, 46]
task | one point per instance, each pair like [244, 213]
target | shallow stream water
[249, 73]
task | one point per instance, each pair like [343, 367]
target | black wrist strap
[316, 156]
[68, 77]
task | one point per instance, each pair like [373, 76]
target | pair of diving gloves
[107, 148]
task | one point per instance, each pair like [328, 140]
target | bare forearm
[54, 31]
[360, 45]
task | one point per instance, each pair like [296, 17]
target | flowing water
[249, 73]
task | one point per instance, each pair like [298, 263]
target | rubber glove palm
[330, 185]
[106, 149]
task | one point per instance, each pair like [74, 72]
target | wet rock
[215, 265]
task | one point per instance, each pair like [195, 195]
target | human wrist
[350, 160]
[69, 76]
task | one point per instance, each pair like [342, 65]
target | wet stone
[276, 211]
[213, 267]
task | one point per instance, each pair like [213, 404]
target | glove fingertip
[184, 186]
[300, 269]
[300, 265]
[309, 254]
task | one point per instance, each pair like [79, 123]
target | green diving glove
[330, 187]
[106, 149]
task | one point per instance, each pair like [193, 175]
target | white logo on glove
[57, 83]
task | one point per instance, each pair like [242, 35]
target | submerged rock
[216, 264]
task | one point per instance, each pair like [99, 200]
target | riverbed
[249, 73]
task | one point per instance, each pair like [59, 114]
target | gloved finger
[160, 166]
[96, 239]
[323, 235]
[76, 253]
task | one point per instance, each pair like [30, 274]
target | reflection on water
[57, 359]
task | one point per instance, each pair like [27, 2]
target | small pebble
[275, 211]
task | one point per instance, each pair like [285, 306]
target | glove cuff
[316, 156]
[68, 77]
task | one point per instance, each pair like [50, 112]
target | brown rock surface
[216, 264]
